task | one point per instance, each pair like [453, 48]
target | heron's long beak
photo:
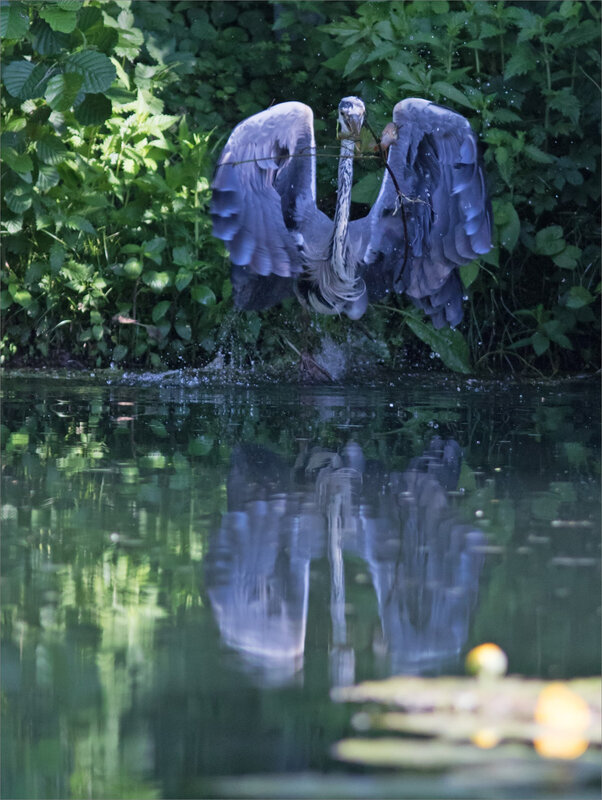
[354, 123]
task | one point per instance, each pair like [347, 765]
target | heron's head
[351, 117]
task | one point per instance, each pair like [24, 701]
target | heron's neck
[341, 214]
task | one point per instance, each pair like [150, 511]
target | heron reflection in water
[422, 560]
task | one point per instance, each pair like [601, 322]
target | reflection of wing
[258, 568]
[427, 580]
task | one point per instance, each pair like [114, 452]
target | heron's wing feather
[446, 208]
[263, 194]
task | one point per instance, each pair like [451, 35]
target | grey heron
[431, 216]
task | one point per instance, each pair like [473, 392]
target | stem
[548, 85]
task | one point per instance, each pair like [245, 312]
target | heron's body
[280, 243]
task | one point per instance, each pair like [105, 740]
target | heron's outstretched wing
[264, 191]
[447, 212]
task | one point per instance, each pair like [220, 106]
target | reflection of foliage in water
[110, 495]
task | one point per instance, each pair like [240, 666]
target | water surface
[188, 571]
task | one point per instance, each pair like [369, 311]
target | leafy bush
[111, 127]
[108, 254]
[522, 74]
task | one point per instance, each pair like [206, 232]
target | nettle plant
[107, 254]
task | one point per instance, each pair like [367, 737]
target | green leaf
[578, 296]
[521, 61]
[507, 222]
[157, 281]
[57, 256]
[550, 241]
[504, 115]
[59, 19]
[14, 225]
[183, 330]
[47, 42]
[79, 223]
[19, 199]
[119, 352]
[48, 177]
[154, 248]
[5, 300]
[14, 21]
[132, 268]
[51, 150]
[469, 272]
[14, 76]
[160, 310]
[182, 256]
[367, 188]
[203, 295]
[94, 109]
[568, 258]
[566, 102]
[96, 70]
[62, 90]
[357, 57]
[37, 83]
[540, 343]
[183, 278]
[535, 154]
[21, 296]
[20, 162]
[451, 93]
[449, 344]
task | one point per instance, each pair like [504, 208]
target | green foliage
[522, 74]
[111, 126]
[105, 198]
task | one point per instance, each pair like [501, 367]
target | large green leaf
[160, 310]
[183, 278]
[132, 268]
[367, 188]
[62, 90]
[47, 42]
[157, 280]
[183, 330]
[567, 258]
[521, 61]
[449, 344]
[94, 109]
[14, 21]
[550, 241]
[20, 162]
[48, 177]
[63, 20]
[203, 295]
[50, 149]
[451, 93]
[578, 296]
[19, 199]
[14, 76]
[96, 69]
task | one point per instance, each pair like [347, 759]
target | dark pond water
[187, 572]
